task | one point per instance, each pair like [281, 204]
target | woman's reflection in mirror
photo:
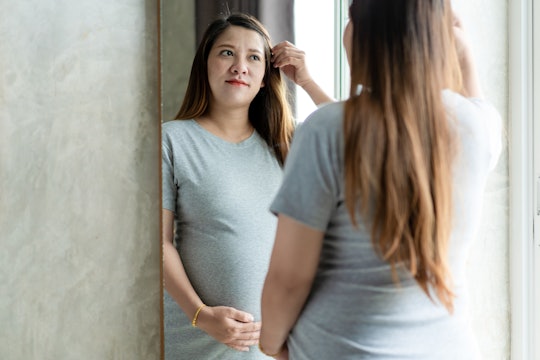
[222, 164]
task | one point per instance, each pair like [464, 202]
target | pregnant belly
[228, 272]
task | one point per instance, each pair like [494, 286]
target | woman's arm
[293, 266]
[227, 325]
[174, 276]
[471, 80]
[292, 61]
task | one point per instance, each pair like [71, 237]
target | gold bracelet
[194, 321]
[267, 354]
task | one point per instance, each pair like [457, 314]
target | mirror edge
[160, 119]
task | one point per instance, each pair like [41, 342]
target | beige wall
[79, 180]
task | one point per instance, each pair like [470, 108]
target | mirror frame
[160, 117]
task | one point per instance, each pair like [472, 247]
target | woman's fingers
[292, 62]
[244, 337]
[286, 53]
[230, 326]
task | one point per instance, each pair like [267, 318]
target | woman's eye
[227, 53]
[255, 57]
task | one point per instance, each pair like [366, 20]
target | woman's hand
[230, 326]
[292, 61]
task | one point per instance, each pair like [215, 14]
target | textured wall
[486, 23]
[177, 51]
[79, 180]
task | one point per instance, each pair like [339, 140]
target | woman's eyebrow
[225, 45]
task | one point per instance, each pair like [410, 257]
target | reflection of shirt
[355, 310]
[220, 193]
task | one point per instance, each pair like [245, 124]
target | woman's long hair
[399, 145]
[269, 113]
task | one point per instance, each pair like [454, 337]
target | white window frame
[535, 246]
[524, 135]
[341, 68]
[535, 336]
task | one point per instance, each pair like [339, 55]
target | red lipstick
[237, 82]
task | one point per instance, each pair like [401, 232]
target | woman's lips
[237, 82]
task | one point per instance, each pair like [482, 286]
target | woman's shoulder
[171, 125]
[175, 132]
[478, 122]
[326, 111]
[327, 117]
[475, 114]
[466, 107]
[177, 128]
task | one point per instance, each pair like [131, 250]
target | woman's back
[355, 307]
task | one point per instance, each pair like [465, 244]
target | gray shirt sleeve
[168, 183]
[312, 179]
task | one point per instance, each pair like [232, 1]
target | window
[321, 38]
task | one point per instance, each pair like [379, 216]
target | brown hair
[269, 112]
[399, 147]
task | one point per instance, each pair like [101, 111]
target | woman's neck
[229, 124]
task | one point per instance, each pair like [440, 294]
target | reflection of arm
[471, 81]
[316, 93]
[174, 275]
[293, 265]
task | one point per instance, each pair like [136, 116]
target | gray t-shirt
[220, 193]
[354, 310]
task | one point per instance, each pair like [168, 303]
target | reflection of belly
[228, 270]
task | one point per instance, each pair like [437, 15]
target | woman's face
[236, 67]
[347, 40]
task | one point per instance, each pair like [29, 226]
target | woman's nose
[239, 67]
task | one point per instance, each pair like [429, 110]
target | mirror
[182, 20]
[178, 45]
